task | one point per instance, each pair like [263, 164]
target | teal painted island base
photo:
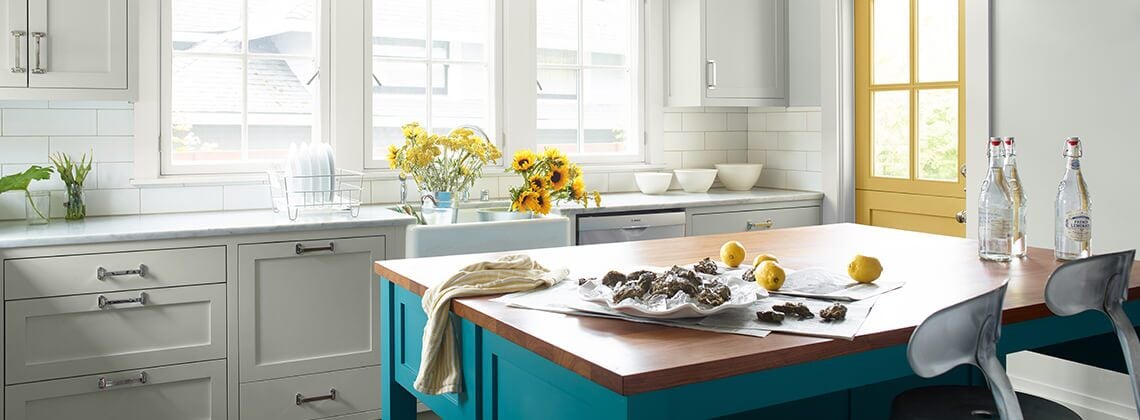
[503, 380]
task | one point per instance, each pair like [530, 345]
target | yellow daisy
[524, 160]
[597, 199]
[559, 177]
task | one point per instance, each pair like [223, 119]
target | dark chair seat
[969, 403]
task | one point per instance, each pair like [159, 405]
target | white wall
[1068, 68]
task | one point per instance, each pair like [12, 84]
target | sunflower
[393, 154]
[542, 202]
[578, 189]
[524, 160]
[597, 199]
[559, 177]
[555, 157]
[538, 183]
[527, 201]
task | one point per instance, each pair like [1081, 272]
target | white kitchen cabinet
[727, 53]
[752, 220]
[316, 396]
[194, 391]
[308, 307]
[68, 49]
[804, 47]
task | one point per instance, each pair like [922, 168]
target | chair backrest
[966, 333]
[1099, 283]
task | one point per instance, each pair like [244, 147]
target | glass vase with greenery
[20, 182]
[442, 166]
[74, 174]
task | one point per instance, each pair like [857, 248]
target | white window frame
[638, 34]
[321, 121]
[494, 69]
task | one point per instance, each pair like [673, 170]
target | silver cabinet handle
[767, 224]
[104, 302]
[39, 36]
[331, 396]
[103, 273]
[711, 77]
[16, 37]
[105, 383]
[301, 249]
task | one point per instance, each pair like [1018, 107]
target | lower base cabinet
[317, 396]
[180, 392]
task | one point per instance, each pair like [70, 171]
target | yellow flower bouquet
[438, 163]
[547, 179]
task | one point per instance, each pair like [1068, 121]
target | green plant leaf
[20, 181]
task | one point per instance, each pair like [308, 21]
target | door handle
[39, 37]
[104, 302]
[767, 224]
[960, 217]
[105, 383]
[301, 249]
[16, 37]
[103, 273]
[711, 77]
[301, 399]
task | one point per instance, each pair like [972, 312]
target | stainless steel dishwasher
[634, 226]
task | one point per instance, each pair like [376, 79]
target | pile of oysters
[644, 284]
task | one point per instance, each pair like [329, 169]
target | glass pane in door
[938, 135]
[890, 134]
[890, 40]
[937, 40]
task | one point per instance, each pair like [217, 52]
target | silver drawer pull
[767, 224]
[301, 399]
[104, 302]
[16, 36]
[105, 383]
[301, 249]
[103, 274]
[39, 37]
[711, 77]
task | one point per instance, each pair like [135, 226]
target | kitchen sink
[470, 235]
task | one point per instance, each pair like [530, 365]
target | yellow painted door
[909, 98]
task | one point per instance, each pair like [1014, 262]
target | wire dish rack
[298, 194]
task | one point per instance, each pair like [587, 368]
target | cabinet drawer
[192, 391]
[78, 274]
[745, 221]
[357, 390]
[306, 312]
[71, 335]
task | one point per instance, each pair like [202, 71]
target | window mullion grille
[429, 83]
[581, 81]
[245, 80]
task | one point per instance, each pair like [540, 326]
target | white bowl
[695, 180]
[739, 176]
[653, 183]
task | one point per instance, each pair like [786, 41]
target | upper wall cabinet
[727, 53]
[67, 49]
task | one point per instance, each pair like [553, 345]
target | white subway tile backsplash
[727, 140]
[794, 161]
[757, 121]
[116, 122]
[113, 202]
[594, 182]
[181, 199]
[737, 156]
[802, 141]
[703, 159]
[757, 156]
[737, 122]
[23, 149]
[49, 122]
[622, 182]
[485, 183]
[813, 121]
[246, 197]
[787, 121]
[673, 122]
[114, 175]
[763, 141]
[12, 205]
[692, 121]
[89, 105]
[673, 160]
[739, 109]
[684, 141]
[802, 180]
[388, 191]
[105, 149]
[772, 178]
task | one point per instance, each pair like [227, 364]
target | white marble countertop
[18, 234]
[636, 201]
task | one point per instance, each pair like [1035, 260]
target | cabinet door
[78, 44]
[195, 391]
[745, 48]
[14, 47]
[747, 221]
[308, 307]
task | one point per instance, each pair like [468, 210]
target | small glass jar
[37, 208]
[76, 206]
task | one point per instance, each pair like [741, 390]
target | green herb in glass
[74, 174]
[20, 182]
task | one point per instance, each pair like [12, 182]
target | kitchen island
[521, 364]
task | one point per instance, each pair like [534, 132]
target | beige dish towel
[440, 371]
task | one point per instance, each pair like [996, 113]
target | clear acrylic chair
[967, 334]
[1099, 283]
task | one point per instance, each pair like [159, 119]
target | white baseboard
[1094, 393]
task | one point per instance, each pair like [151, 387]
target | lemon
[732, 253]
[864, 269]
[769, 275]
[764, 257]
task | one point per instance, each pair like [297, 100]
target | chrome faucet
[484, 195]
[403, 189]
